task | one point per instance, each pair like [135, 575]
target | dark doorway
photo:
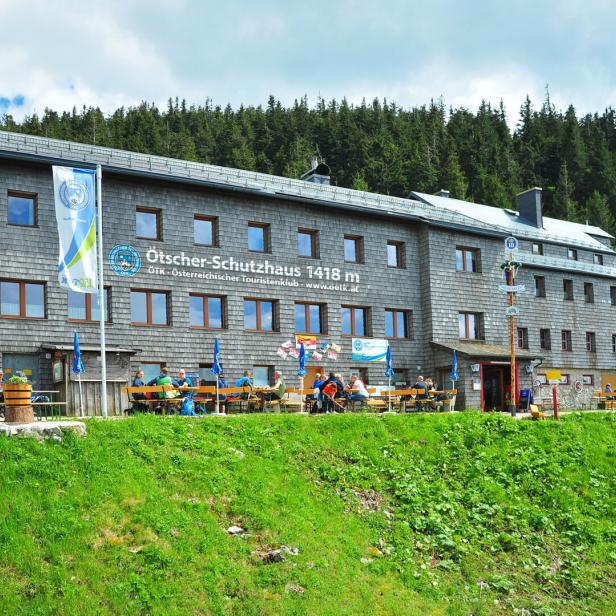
[496, 387]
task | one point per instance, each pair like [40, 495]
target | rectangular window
[566, 340]
[537, 249]
[589, 293]
[565, 379]
[147, 224]
[568, 290]
[469, 325]
[395, 254]
[206, 230]
[308, 318]
[522, 337]
[21, 299]
[22, 209]
[539, 286]
[542, 378]
[355, 321]
[258, 237]
[591, 342]
[207, 311]
[597, 259]
[259, 315]
[307, 243]
[545, 339]
[353, 249]
[262, 375]
[588, 379]
[151, 369]
[613, 343]
[572, 254]
[467, 259]
[85, 307]
[613, 295]
[397, 323]
[149, 307]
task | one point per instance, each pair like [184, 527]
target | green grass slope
[423, 514]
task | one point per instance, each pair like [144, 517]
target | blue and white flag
[78, 367]
[74, 194]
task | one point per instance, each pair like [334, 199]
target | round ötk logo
[359, 345]
[124, 260]
[75, 195]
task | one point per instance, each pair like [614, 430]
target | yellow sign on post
[553, 376]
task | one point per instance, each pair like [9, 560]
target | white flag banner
[74, 194]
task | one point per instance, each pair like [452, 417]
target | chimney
[529, 207]
[442, 193]
[318, 174]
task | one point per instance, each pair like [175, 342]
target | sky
[120, 52]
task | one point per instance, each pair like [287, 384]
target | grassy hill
[424, 514]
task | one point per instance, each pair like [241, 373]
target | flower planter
[18, 403]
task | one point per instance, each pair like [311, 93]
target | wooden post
[512, 340]
[555, 401]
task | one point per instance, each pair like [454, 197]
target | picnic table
[54, 406]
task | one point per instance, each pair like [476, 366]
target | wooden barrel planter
[18, 403]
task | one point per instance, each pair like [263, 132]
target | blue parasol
[302, 361]
[78, 367]
[389, 371]
[453, 375]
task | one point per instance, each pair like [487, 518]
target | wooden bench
[607, 398]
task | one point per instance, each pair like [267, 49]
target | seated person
[162, 379]
[138, 382]
[245, 381]
[183, 381]
[359, 393]
[422, 386]
[317, 396]
[608, 390]
[277, 391]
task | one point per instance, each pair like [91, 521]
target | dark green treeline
[378, 146]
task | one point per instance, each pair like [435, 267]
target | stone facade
[429, 287]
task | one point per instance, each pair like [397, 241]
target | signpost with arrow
[510, 267]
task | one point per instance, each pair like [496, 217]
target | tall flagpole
[101, 290]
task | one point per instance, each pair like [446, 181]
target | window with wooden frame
[539, 286]
[309, 318]
[591, 342]
[597, 259]
[22, 209]
[355, 321]
[545, 340]
[613, 296]
[151, 369]
[572, 254]
[395, 254]
[566, 340]
[565, 379]
[470, 326]
[467, 259]
[147, 224]
[207, 311]
[588, 379]
[205, 230]
[85, 308]
[568, 290]
[353, 249]
[259, 237]
[589, 293]
[522, 338]
[148, 307]
[398, 323]
[260, 315]
[308, 243]
[20, 299]
[537, 249]
[613, 343]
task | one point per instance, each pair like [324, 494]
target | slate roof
[482, 349]
[450, 213]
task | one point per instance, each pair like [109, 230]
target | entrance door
[310, 373]
[493, 388]
[28, 363]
